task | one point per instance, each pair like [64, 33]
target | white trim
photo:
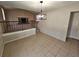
[73, 37]
[16, 32]
[50, 34]
[3, 14]
[9, 37]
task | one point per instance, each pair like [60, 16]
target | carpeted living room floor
[42, 45]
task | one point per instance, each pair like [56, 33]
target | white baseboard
[51, 35]
[73, 37]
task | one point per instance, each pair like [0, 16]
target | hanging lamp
[41, 16]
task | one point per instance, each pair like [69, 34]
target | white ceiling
[35, 5]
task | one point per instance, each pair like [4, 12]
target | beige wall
[57, 22]
[0, 14]
[13, 14]
[1, 39]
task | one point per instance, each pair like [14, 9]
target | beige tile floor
[42, 45]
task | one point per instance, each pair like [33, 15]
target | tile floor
[42, 45]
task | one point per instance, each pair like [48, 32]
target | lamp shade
[41, 17]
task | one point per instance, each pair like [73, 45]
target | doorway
[73, 28]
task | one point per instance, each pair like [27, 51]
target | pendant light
[41, 16]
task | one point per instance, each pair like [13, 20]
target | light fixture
[41, 16]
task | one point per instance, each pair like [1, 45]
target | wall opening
[73, 30]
